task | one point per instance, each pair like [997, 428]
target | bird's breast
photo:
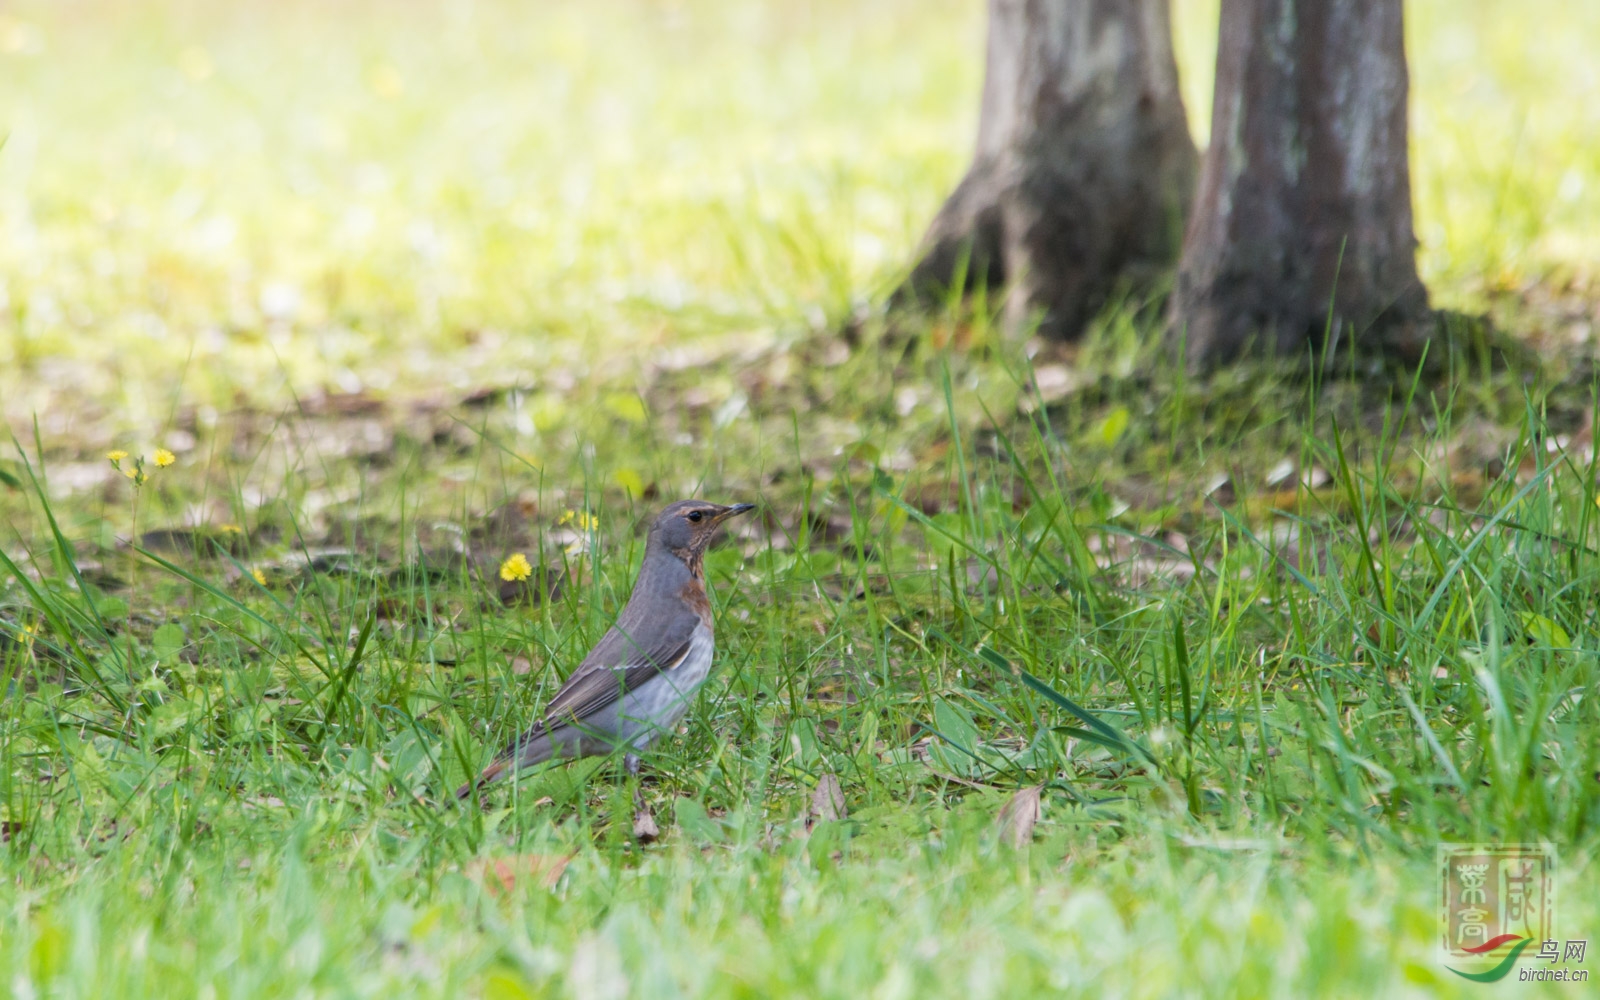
[661, 702]
[694, 596]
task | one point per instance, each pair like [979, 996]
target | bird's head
[685, 528]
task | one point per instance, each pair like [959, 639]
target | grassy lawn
[407, 291]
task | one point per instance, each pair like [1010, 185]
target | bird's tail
[489, 775]
[533, 747]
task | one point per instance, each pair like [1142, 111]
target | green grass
[1253, 710]
[240, 787]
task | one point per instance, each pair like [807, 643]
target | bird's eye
[695, 515]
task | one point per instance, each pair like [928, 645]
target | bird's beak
[736, 510]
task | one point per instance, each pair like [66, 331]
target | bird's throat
[692, 558]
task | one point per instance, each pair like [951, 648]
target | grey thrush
[638, 681]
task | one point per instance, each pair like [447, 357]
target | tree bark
[1084, 166]
[1304, 207]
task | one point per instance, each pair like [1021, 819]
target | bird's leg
[644, 822]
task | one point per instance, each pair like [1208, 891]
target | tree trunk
[1304, 205]
[1084, 166]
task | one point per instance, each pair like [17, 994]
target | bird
[637, 682]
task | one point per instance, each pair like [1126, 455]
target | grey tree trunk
[1084, 166]
[1304, 204]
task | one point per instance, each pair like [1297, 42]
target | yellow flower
[164, 458]
[136, 473]
[515, 568]
[260, 577]
[582, 520]
[116, 455]
[231, 529]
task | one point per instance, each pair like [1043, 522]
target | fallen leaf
[502, 874]
[1018, 816]
[645, 830]
[1055, 381]
[827, 802]
[396, 610]
[630, 481]
[628, 406]
[1112, 427]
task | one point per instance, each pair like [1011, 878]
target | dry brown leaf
[827, 802]
[1018, 816]
[645, 830]
[502, 874]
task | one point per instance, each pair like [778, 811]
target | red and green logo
[1494, 901]
[1502, 970]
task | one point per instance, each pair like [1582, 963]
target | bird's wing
[617, 664]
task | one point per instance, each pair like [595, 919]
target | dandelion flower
[515, 568]
[164, 458]
[135, 472]
[116, 455]
[582, 520]
[260, 577]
